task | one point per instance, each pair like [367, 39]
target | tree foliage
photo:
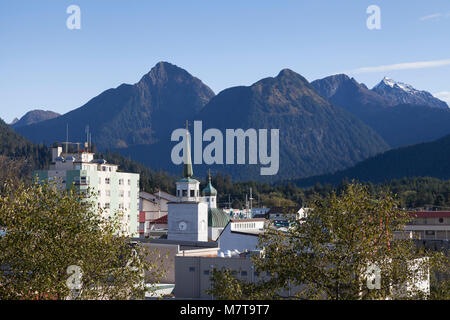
[47, 230]
[327, 255]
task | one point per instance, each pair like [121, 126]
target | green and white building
[116, 192]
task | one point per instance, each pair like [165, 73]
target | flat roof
[185, 245]
[248, 220]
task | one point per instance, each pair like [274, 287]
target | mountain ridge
[398, 124]
[428, 159]
[130, 114]
[34, 116]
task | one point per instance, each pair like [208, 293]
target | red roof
[161, 220]
[430, 214]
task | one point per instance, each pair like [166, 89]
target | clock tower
[188, 216]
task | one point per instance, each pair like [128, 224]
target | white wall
[194, 215]
[237, 241]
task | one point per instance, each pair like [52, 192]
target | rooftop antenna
[90, 142]
[67, 137]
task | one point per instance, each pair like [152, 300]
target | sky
[46, 65]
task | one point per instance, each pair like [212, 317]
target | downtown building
[114, 191]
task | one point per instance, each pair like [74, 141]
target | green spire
[187, 163]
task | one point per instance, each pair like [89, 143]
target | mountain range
[424, 118]
[315, 136]
[142, 113]
[325, 126]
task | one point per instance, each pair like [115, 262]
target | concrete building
[115, 192]
[192, 273]
[240, 236]
[153, 211]
[162, 252]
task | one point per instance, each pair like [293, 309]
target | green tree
[46, 230]
[327, 256]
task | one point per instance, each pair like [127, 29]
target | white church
[194, 217]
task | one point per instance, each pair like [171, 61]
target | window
[129, 182]
[192, 193]
[120, 205]
[99, 193]
[206, 272]
[103, 168]
[107, 206]
[441, 220]
[184, 193]
[120, 182]
[244, 273]
[191, 269]
[107, 180]
[121, 193]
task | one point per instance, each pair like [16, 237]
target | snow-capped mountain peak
[395, 84]
[402, 93]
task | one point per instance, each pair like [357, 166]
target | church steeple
[188, 188]
[187, 162]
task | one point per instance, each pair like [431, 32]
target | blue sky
[43, 64]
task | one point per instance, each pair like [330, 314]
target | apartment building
[114, 191]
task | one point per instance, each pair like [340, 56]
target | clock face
[182, 225]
